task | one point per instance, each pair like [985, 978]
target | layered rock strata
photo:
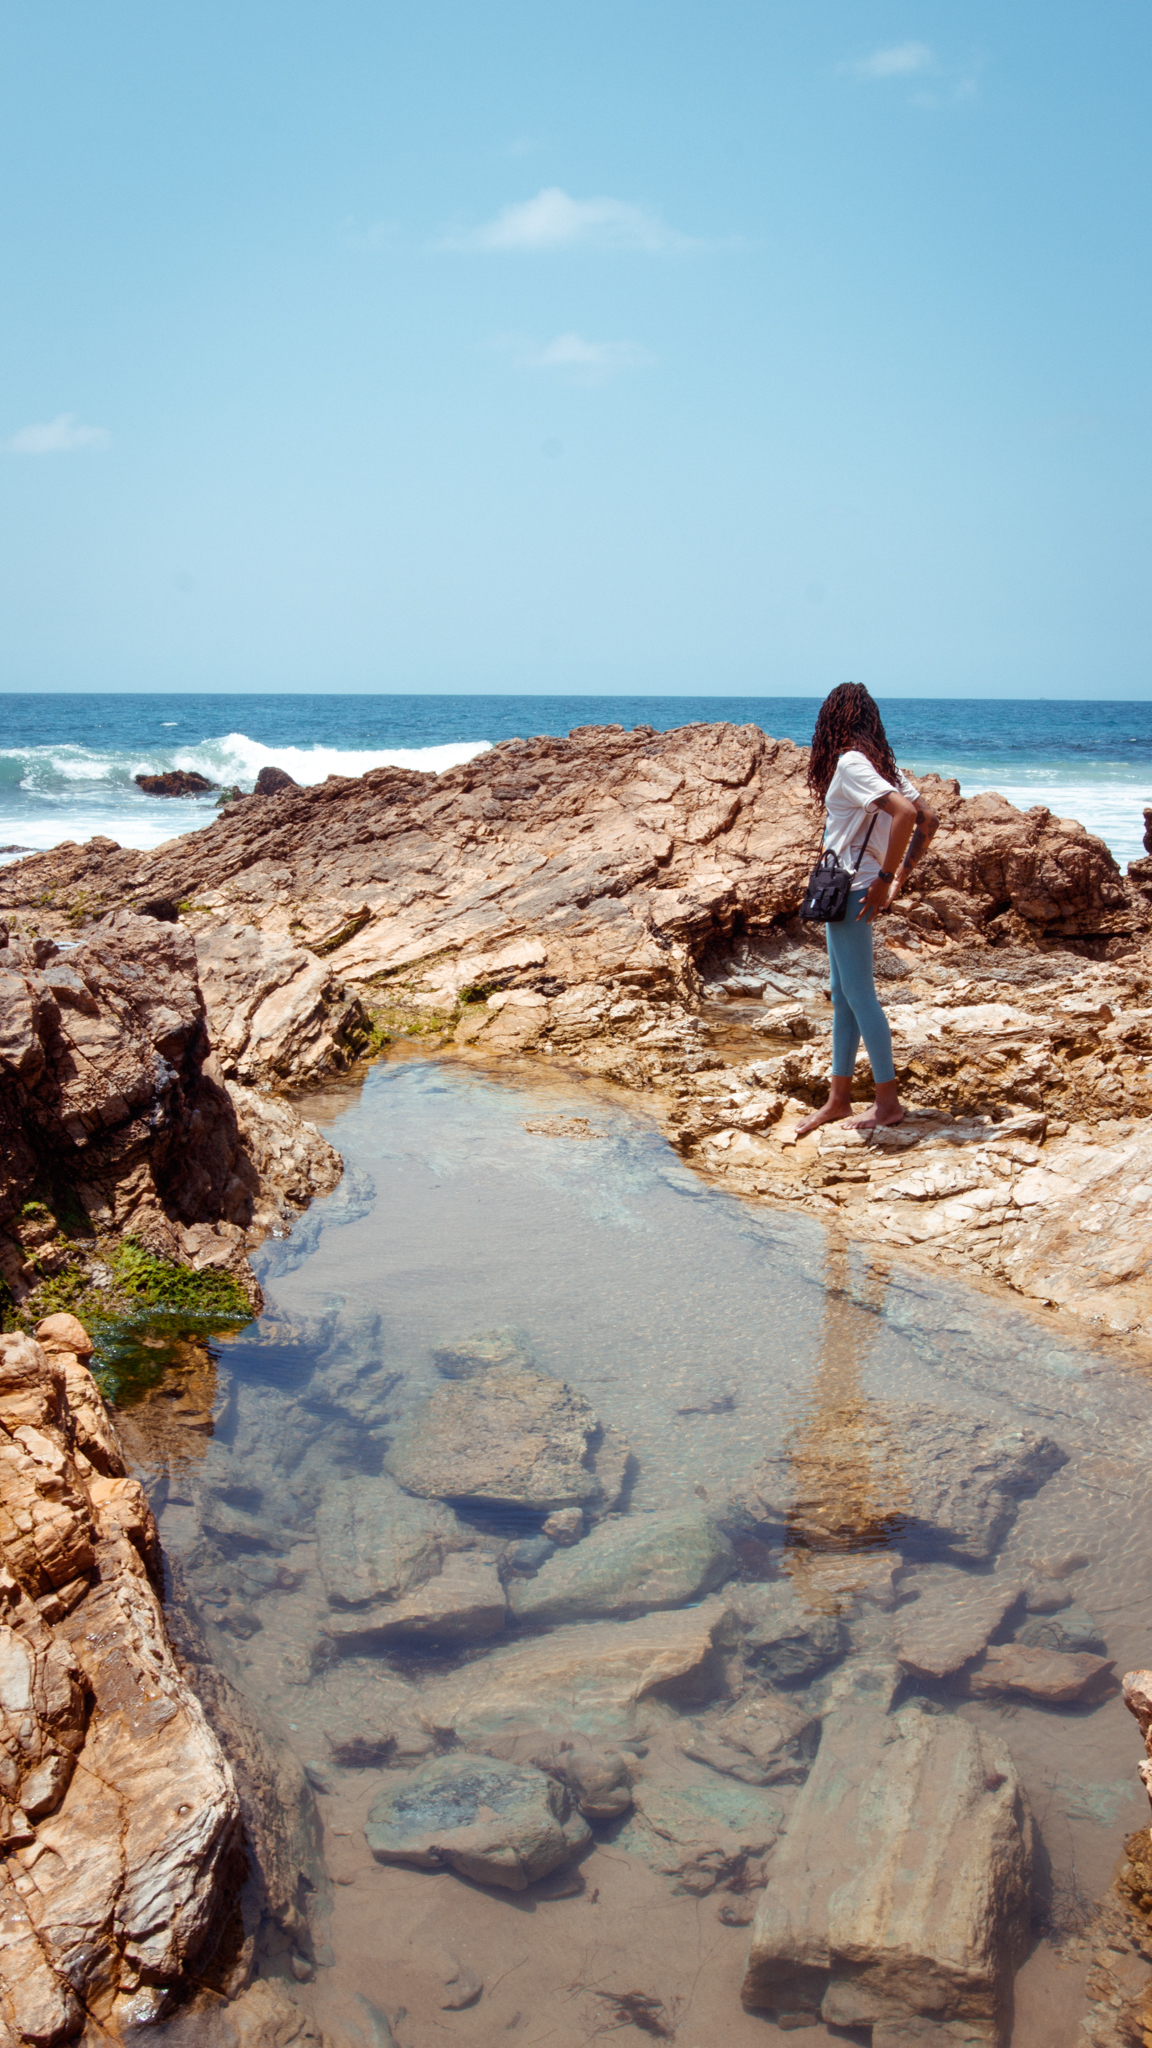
[564, 898]
[122, 1854]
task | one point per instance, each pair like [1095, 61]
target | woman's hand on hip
[877, 899]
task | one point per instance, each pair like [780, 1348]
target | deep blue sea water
[67, 762]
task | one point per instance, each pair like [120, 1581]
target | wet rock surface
[508, 1436]
[174, 782]
[495, 1822]
[905, 1472]
[865, 1919]
[628, 1565]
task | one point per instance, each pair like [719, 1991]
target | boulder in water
[951, 1620]
[784, 1639]
[175, 782]
[498, 1823]
[631, 1564]
[901, 1890]
[902, 1472]
[1056, 1677]
[507, 1436]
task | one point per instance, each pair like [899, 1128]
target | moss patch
[122, 1292]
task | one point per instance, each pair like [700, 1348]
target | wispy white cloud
[574, 358]
[62, 436]
[934, 81]
[901, 60]
[554, 220]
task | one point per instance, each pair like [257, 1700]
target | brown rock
[106, 1087]
[950, 1621]
[506, 1434]
[561, 894]
[273, 782]
[275, 1012]
[1057, 1677]
[121, 1852]
[64, 1333]
[174, 782]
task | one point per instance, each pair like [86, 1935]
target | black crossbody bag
[830, 885]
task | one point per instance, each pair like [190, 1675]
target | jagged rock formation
[122, 1855]
[115, 1120]
[560, 897]
[589, 850]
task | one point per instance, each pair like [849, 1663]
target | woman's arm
[904, 813]
[924, 830]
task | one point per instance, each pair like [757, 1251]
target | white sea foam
[50, 794]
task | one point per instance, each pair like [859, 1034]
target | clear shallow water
[645, 1290]
[67, 762]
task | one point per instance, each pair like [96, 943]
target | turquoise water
[67, 762]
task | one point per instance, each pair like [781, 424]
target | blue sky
[645, 346]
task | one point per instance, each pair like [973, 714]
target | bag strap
[864, 848]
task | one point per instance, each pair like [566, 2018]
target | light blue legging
[856, 1011]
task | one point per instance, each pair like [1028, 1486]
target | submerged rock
[462, 1603]
[1056, 1677]
[901, 1890]
[904, 1473]
[497, 1823]
[951, 1620]
[764, 1740]
[629, 1565]
[598, 1778]
[784, 1639]
[1070, 1628]
[375, 1541]
[507, 1436]
[592, 1678]
[697, 1830]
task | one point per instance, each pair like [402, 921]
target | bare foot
[877, 1119]
[832, 1113]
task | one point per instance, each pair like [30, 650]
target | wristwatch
[885, 875]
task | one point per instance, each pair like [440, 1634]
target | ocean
[67, 762]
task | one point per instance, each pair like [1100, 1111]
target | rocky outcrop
[116, 1121]
[276, 1014]
[570, 859]
[564, 897]
[122, 1855]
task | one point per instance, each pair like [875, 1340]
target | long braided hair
[848, 718]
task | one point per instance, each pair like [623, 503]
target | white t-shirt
[853, 793]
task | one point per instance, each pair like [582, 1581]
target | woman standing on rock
[852, 771]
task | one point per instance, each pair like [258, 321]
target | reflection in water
[849, 1488]
[171, 1422]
